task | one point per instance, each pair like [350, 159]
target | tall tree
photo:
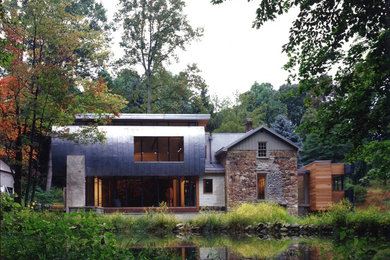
[284, 127]
[294, 102]
[262, 98]
[39, 89]
[152, 31]
[352, 39]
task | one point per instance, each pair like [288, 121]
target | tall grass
[244, 215]
[155, 221]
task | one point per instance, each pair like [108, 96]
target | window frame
[337, 179]
[258, 150]
[265, 186]
[204, 186]
[157, 150]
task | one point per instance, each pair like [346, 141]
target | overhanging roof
[176, 117]
[4, 167]
[252, 132]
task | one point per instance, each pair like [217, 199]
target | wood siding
[320, 184]
[337, 195]
[273, 143]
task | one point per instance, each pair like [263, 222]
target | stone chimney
[248, 125]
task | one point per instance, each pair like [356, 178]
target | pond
[246, 247]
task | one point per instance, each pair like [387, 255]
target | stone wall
[242, 168]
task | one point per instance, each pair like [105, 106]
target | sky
[231, 54]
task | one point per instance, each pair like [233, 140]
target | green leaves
[152, 32]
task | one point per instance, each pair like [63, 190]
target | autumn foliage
[43, 86]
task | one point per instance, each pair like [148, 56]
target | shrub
[244, 215]
[252, 214]
[35, 235]
[360, 194]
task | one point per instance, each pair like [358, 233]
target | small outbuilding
[6, 178]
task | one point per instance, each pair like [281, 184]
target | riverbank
[262, 219]
[44, 234]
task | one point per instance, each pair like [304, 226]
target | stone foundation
[242, 168]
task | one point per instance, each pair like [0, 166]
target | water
[225, 247]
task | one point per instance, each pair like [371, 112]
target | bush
[244, 215]
[360, 194]
[155, 221]
[35, 235]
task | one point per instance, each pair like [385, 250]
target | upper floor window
[262, 149]
[152, 149]
[338, 182]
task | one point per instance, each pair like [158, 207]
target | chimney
[248, 125]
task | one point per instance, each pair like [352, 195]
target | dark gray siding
[116, 156]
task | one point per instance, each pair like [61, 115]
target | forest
[55, 64]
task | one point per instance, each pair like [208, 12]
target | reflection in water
[222, 247]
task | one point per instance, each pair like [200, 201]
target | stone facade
[240, 170]
[281, 173]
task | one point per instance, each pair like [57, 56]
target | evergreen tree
[284, 127]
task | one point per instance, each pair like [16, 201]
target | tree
[39, 89]
[377, 153]
[352, 39]
[263, 99]
[294, 102]
[285, 128]
[315, 148]
[152, 32]
[128, 85]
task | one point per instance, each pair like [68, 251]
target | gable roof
[4, 167]
[252, 132]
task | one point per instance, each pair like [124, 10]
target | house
[6, 179]
[152, 158]
[321, 183]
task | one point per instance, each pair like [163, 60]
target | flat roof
[181, 117]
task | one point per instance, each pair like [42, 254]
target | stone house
[152, 158]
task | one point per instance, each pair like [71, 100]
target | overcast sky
[231, 54]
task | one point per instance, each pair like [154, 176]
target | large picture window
[153, 149]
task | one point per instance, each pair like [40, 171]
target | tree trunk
[18, 170]
[149, 110]
[49, 173]
[34, 187]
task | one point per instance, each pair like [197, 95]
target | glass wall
[142, 191]
[152, 149]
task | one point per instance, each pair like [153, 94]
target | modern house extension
[321, 183]
[152, 158]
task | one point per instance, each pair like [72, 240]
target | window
[152, 149]
[261, 186]
[262, 149]
[338, 182]
[208, 186]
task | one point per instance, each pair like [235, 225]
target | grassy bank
[341, 218]
[49, 235]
